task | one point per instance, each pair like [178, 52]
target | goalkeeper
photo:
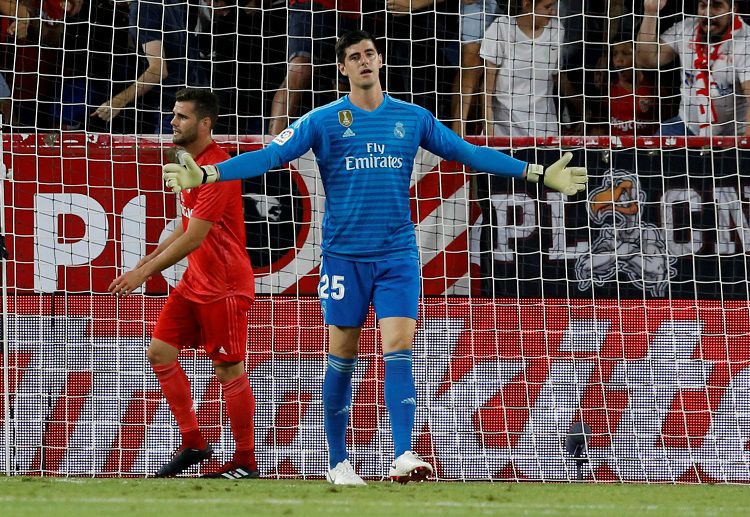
[209, 306]
[365, 144]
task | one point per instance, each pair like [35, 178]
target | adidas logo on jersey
[348, 133]
[222, 351]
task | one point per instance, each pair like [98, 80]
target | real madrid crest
[399, 130]
[345, 118]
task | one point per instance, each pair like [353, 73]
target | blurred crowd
[494, 67]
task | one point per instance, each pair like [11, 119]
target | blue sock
[400, 398]
[337, 400]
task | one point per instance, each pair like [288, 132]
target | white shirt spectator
[712, 76]
[524, 101]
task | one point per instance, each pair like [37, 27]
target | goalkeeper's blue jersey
[365, 159]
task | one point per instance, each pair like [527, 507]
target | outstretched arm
[288, 145]
[188, 174]
[442, 141]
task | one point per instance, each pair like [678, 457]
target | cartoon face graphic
[626, 247]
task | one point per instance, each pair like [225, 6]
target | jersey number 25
[336, 284]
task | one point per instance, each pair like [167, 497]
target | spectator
[476, 15]
[55, 15]
[714, 51]
[159, 28]
[21, 51]
[109, 64]
[16, 29]
[411, 51]
[5, 100]
[65, 31]
[632, 99]
[312, 33]
[521, 53]
[230, 46]
[585, 60]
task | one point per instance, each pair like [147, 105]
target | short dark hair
[206, 102]
[515, 7]
[350, 38]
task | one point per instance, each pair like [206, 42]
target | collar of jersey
[386, 100]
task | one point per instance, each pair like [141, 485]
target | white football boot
[409, 467]
[343, 474]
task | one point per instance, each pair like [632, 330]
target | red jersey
[220, 266]
[630, 111]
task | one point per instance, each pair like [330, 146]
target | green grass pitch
[21, 496]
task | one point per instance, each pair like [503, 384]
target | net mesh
[623, 310]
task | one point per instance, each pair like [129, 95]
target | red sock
[241, 408]
[176, 389]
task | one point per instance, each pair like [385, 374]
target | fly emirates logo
[375, 159]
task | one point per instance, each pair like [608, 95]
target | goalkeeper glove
[187, 173]
[568, 180]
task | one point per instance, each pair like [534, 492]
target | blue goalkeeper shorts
[347, 287]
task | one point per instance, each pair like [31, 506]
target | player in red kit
[209, 306]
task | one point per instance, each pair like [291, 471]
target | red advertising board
[664, 387]
[82, 209]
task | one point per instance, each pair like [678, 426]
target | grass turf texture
[21, 496]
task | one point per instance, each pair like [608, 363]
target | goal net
[622, 311]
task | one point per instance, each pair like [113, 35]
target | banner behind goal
[625, 307]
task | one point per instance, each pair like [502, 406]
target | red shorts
[219, 327]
